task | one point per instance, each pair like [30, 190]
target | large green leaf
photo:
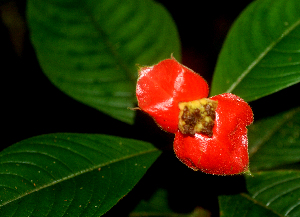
[89, 49]
[275, 141]
[270, 194]
[70, 174]
[261, 53]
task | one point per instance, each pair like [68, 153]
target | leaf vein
[281, 194]
[80, 173]
[284, 181]
[261, 56]
[268, 135]
[292, 208]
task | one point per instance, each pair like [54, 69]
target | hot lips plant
[89, 51]
[210, 133]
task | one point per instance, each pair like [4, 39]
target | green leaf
[89, 49]
[243, 205]
[273, 193]
[279, 191]
[70, 174]
[261, 53]
[275, 141]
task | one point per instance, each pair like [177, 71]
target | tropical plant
[115, 161]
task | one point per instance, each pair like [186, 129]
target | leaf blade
[278, 190]
[74, 173]
[274, 141]
[257, 58]
[89, 50]
[272, 193]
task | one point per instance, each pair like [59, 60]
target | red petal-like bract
[226, 152]
[161, 87]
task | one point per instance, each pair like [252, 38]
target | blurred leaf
[275, 141]
[243, 205]
[158, 205]
[70, 174]
[89, 49]
[261, 53]
[14, 23]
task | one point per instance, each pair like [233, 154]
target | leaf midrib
[79, 173]
[261, 56]
[248, 197]
[109, 46]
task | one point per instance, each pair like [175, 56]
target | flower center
[197, 116]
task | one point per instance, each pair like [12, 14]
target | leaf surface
[275, 141]
[70, 174]
[274, 193]
[243, 205]
[261, 53]
[89, 49]
[279, 191]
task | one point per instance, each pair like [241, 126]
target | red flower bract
[212, 136]
[162, 86]
[226, 152]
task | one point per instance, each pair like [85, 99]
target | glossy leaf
[261, 53]
[70, 174]
[273, 193]
[89, 49]
[275, 141]
[279, 191]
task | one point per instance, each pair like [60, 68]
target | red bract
[162, 86]
[226, 152]
[210, 134]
